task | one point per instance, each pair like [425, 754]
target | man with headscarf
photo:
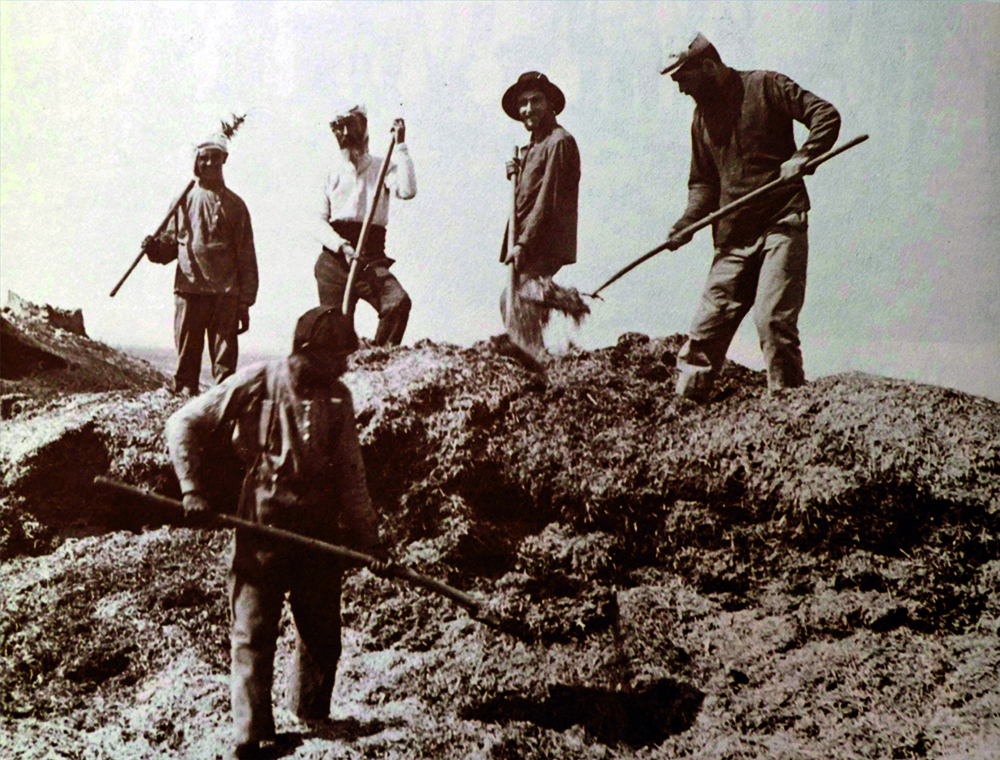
[347, 195]
[742, 138]
[215, 284]
[547, 172]
[291, 422]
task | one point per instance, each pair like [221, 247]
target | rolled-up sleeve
[401, 178]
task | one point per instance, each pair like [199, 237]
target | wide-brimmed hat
[698, 47]
[532, 80]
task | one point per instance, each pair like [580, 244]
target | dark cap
[532, 80]
[698, 47]
[324, 329]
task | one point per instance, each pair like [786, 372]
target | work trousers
[313, 584]
[769, 276]
[197, 315]
[373, 284]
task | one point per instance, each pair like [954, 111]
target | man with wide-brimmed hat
[291, 424]
[741, 139]
[547, 172]
[211, 238]
[345, 201]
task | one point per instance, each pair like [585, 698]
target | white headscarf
[215, 141]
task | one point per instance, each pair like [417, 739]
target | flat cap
[699, 45]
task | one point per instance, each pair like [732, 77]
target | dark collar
[544, 131]
[728, 88]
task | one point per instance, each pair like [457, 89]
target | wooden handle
[512, 227]
[346, 306]
[163, 226]
[728, 209]
[511, 240]
[173, 511]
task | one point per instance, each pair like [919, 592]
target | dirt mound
[814, 575]
[72, 408]
[47, 354]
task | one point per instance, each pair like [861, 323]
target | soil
[815, 574]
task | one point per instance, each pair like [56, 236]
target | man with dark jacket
[291, 422]
[545, 216]
[742, 138]
[215, 284]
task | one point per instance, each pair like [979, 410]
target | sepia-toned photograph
[499, 379]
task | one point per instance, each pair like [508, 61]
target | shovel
[163, 226]
[172, 511]
[728, 209]
[367, 226]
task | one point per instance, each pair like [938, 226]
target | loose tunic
[215, 248]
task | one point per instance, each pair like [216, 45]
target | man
[346, 198]
[545, 217]
[215, 284]
[291, 422]
[741, 139]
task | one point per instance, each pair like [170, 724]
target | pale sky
[103, 102]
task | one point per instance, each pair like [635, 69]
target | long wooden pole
[172, 510]
[163, 226]
[363, 239]
[728, 209]
[511, 241]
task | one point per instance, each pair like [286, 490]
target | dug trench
[754, 576]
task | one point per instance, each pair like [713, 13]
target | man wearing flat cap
[742, 138]
[215, 284]
[344, 204]
[547, 172]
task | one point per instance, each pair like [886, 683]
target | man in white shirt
[346, 198]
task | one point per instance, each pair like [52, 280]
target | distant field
[165, 360]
